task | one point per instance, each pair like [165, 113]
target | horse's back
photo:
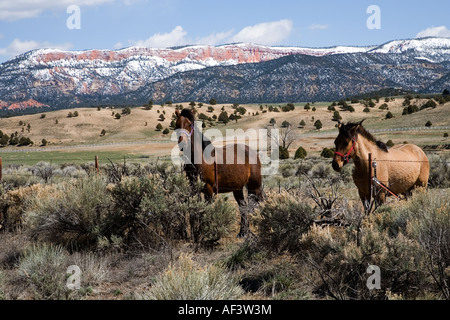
[408, 163]
[237, 165]
[408, 153]
[237, 154]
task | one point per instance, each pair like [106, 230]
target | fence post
[1, 168]
[96, 164]
[370, 177]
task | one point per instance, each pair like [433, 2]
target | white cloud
[441, 31]
[22, 9]
[118, 45]
[267, 33]
[215, 38]
[176, 37]
[318, 27]
[18, 46]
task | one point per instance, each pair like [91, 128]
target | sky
[114, 24]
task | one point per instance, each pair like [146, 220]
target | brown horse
[225, 169]
[401, 168]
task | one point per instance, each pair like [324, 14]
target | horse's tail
[424, 174]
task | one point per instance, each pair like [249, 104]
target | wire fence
[14, 167]
[11, 161]
[329, 132]
[83, 146]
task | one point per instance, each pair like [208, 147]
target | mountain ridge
[64, 79]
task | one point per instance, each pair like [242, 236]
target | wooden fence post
[96, 164]
[1, 168]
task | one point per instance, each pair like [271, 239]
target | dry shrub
[408, 241]
[429, 226]
[165, 210]
[94, 268]
[439, 170]
[43, 267]
[340, 264]
[2, 286]
[14, 202]
[281, 220]
[186, 280]
[73, 214]
[148, 211]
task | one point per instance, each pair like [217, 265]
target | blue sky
[114, 24]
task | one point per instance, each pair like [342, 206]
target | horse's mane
[187, 113]
[366, 134]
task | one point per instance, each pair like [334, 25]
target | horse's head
[184, 126]
[345, 144]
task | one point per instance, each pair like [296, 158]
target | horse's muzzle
[335, 166]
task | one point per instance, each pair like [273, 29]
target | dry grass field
[140, 126]
[138, 230]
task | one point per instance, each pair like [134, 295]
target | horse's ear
[355, 128]
[177, 113]
[339, 125]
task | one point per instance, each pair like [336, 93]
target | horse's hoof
[241, 235]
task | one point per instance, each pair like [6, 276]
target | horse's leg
[365, 198]
[380, 198]
[240, 199]
[254, 184]
[208, 190]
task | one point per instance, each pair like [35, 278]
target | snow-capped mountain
[432, 49]
[135, 75]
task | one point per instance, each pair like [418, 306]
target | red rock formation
[22, 105]
[238, 53]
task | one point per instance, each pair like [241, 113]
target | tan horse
[401, 168]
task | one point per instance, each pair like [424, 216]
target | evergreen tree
[300, 153]
[223, 117]
[327, 153]
[336, 116]
[318, 125]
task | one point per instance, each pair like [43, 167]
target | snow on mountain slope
[51, 76]
[434, 49]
